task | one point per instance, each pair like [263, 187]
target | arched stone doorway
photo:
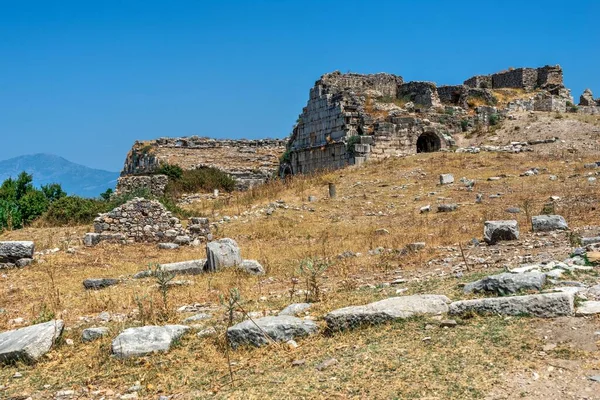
[428, 142]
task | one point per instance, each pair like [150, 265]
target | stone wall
[420, 93]
[520, 78]
[250, 162]
[154, 184]
[141, 220]
[480, 81]
[451, 94]
[385, 84]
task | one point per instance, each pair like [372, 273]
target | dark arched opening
[428, 142]
[285, 171]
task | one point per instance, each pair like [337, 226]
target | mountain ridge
[76, 179]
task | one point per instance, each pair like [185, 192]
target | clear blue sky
[84, 79]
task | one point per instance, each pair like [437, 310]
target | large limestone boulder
[588, 308]
[547, 305]
[386, 310]
[30, 343]
[135, 342]
[10, 252]
[546, 223]
[252, 267]
[496, 231]
[222, 253]
[508, 283]
[279, 329]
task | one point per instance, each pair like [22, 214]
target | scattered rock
[279, 329]
[545, 223]
[513, 210]
[447, 207]
[588, 308]
[508, 283]
[425, 209]
[91, 239]
[222, 253]
[386, 310]
[168, 246]
[99, 283]
[197, 317]
[295, 309]
[382, 231]
[448, 323]
[192, 267]
[446, 179]
[326, 364]
[91, 334]
[12, 251]
[30, 343]
[252, 267]
[495, 231]
[547, 305]
[134, 342]
[23, 262]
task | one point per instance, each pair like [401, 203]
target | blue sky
[85, 79]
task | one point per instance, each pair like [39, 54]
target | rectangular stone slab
[192, 267]
[386, 310]
[548, 305]
[30, 343]
[13, 251]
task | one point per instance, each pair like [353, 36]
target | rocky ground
[373, 241]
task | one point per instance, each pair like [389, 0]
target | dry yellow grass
[381, 362]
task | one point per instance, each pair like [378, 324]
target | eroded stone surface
[222, 253]
[91, 334]
[295, 309]
[386, 310]
[135, 342]
[30, 343]
[496, 231]
[508, 283]
[279, 329]
[11, 251]
[545, 223]
[547, 305]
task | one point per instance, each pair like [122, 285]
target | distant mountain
[47, 168]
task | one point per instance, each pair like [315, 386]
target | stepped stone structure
[249, 162]
[352, 117]
[141, 220]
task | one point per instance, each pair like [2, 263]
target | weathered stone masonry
[250, 162]
[352, 117]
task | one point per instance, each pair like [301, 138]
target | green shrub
[352, 140]
[10, 215]
[464, 125]
[33, 204]
[171, 170]
[286, 157]
[202, 179]
[73, 210]
[494, 119]
[53, 192]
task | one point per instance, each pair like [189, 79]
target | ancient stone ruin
[249, 162]
[352, 117]
[141, 220]
[153, 184]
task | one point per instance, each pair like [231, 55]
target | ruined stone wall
[549, 103]
[250, 162]
[479, 81]
[520, 78]
[550, 75]
[420, 93]
[154, 184]
[450, 94]
[142, 220]
[385, 84]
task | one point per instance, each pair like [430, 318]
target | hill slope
[47, 168]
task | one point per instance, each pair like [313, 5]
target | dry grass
[382, 362]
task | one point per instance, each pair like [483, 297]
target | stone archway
[428, 142]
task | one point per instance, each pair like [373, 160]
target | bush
[10, 215]
[170, 170]
[73, 210]
[202, 179]
[33, 204]
[494, 119]
[464, 125]
[352, 140]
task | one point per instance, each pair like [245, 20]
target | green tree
[33, 204]
[24, 184]
[8, 190]
[53, 192]
[10, 216]
[106, 195]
